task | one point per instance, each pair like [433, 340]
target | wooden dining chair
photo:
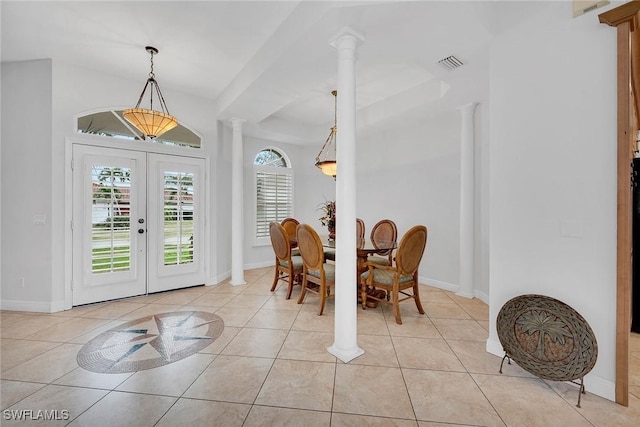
[359, 229]
[288, 267]
[317, 275]
[290, 225]
[398, 279]
[330, 254]
[384, 230]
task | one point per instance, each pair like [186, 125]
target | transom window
[112, 123]
[270, 157]
[273, 190]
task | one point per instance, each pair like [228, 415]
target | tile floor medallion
[150, 342]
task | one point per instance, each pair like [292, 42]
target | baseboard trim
[439, 284]
[32, 306]
[494, 347]
[481, 296]
[227, 274]
[453, 288]
[258, 265]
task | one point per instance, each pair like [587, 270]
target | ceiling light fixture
[328, 164]
[150, 122]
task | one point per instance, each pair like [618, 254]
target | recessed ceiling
[268, 61]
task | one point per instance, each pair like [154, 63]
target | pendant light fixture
[150, 122]
[326, 158]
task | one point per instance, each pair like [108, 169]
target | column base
[345, 355]
[237, 282]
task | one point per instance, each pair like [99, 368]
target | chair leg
[322, 293]
[291, 277]
[275, 278]
[396, 306]
[304, 289]
[363, 294]
[416, 297]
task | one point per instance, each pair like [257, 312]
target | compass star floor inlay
[150, 342]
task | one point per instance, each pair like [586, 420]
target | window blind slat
[274, 199]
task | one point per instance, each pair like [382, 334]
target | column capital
[468, 108]
[236, 121]
[346, 33]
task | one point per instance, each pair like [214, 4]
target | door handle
[140, 230]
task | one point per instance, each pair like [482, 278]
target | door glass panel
[110, 219]
[178, 218]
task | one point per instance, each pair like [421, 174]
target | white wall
[412, 176]
[553, 162]
[26, 183]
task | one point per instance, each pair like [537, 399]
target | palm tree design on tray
[537, 321]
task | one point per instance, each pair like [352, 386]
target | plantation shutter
[274, 199]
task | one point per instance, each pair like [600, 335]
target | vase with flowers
[328, 217]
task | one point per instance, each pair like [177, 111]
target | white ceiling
[271, 62]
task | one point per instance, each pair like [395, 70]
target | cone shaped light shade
[152, 123]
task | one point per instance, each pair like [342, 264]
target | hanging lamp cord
[154, 87]
[334, 129]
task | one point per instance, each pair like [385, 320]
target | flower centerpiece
[328, 217]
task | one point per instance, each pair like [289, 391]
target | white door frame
[89, 286]
[108, 142]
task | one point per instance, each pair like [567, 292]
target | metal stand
[581, 390]
[506, 356]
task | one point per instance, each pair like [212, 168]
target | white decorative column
[237, 200]
[345, 345]
[466, 201]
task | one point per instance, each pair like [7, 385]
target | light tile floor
[270, 367]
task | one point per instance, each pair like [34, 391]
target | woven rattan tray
[547, 338]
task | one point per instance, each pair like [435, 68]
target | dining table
[364, 248]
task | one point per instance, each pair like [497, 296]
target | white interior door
[138, 224]
[176, 222]
[109, 199]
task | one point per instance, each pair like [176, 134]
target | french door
[137, 223]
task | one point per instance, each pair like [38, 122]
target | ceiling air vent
[580, 7]
[450, 62]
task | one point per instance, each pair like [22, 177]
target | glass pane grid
[178, 225]
[110, 219]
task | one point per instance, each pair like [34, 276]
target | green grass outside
[102, 261]
[171, 230]
[171, 254]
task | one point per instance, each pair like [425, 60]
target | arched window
[112, 123]
[274, 190]
[270, 157]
